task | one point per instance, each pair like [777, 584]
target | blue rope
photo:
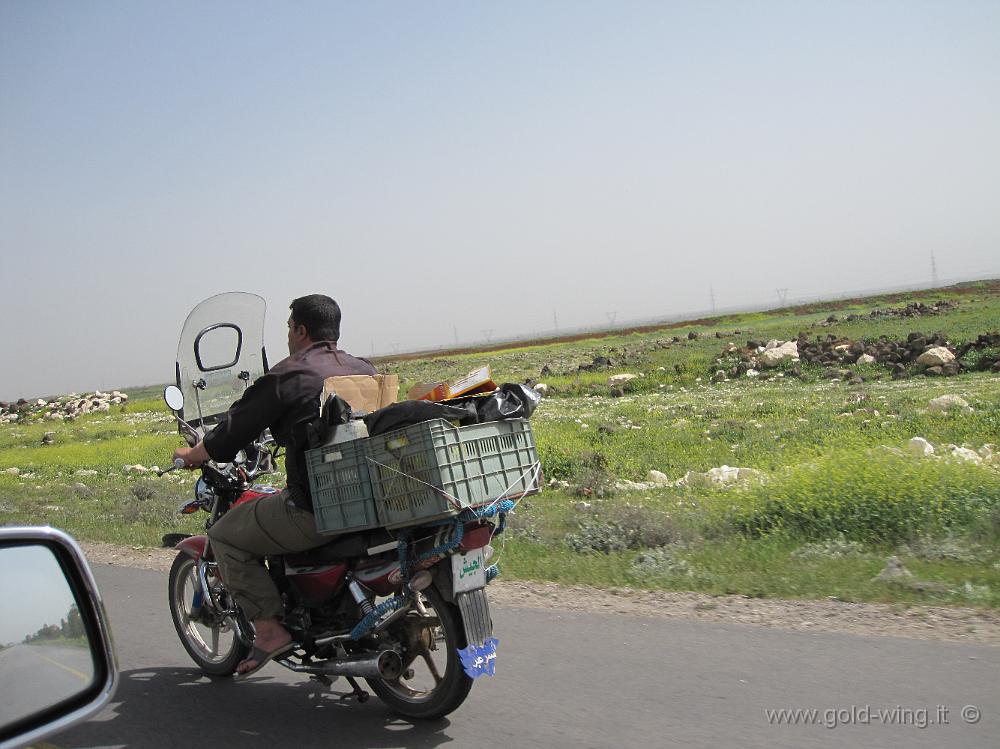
[458, 524]
[375, 614]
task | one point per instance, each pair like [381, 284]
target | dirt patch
[139, 557]
[872, 619]
[922, 622]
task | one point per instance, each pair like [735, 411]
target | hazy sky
[34, 590]
[476, 166]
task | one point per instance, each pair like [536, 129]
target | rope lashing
[375, 614]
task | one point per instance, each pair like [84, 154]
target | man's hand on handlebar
[192, 456]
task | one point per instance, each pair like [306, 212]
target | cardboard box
[365, 393]
[477, 381]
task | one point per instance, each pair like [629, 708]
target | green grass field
[836, 490]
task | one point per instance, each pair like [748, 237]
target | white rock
[965, 453]
[920, 446]
[842, 348]
[987, 452]
[893, 570]
[657, 477]
[772, 344]
[721, 476]
[753, 373]
[866, 359]
[620, 379]
[582, 506]
[774, 356]
[13, 471]
[945, 403]
[542, 389]
[935, 357]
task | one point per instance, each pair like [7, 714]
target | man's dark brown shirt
[287, 395]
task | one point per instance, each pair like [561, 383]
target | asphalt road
[34, 677]
[568, 680]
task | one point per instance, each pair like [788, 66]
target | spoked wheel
[433, 682]
[210, 640]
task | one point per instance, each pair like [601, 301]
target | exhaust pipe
[386, 664]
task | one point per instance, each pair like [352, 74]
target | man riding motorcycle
[283, 523]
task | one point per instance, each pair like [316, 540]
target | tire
[215, 648]
[426, 697]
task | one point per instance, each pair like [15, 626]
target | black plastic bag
[510, 401]
[399, 415]
[334, 411]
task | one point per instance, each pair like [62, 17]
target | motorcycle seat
[347, 546]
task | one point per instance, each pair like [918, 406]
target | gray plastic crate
[341, 487]
[475, 464]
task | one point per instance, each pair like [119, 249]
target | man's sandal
[263, 658]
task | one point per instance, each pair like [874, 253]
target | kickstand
[358, 692]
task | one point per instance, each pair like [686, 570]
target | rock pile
[714, 477]
[917, 354]
[914, 309]
[988, 454]
[988, 360]
[63, 408]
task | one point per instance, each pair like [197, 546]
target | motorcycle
[406, 611]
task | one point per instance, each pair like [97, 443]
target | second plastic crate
[341, 487]
[414, 469]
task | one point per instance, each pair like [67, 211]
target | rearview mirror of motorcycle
[57, 665]
[174, 397]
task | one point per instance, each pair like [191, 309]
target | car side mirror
[57, 663]
[174, 397]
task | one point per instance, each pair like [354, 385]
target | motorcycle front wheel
[433, 682]
[210, 640]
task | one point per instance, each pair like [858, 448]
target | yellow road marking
[83, 677]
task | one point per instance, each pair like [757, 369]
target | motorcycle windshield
[220, 354]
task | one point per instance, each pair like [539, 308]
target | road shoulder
[952, 624]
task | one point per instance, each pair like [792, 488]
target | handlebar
[178, 463]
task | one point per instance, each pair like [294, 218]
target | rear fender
[195, 546]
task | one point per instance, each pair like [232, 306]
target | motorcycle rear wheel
[434, 682]
[214, 646]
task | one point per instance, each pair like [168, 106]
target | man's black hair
[320, 314]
